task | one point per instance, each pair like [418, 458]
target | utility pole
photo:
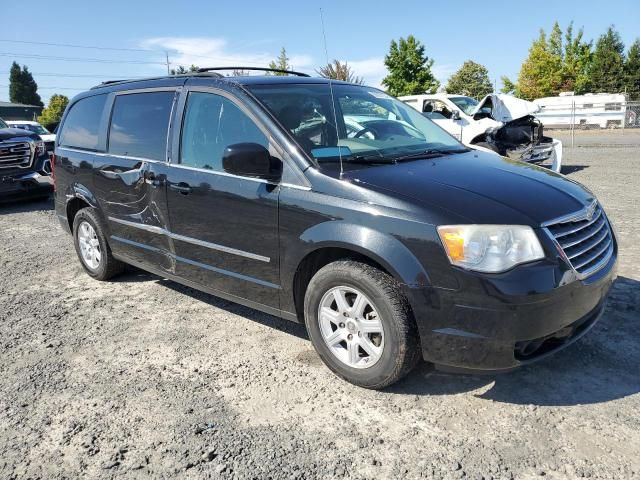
[166, 54]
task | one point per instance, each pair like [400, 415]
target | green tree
[22, 86]
[607, 67]
[632, 71]
[576, 62]
[409, 69]
[541, 73]
[53, 113]
[182, 70]
[280, 63]
[472, 80]
[340, 71]
[507, 85]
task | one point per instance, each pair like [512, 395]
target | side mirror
[455, 115]
[251, 160]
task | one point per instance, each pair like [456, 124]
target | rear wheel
[92, 247]
[360, 324]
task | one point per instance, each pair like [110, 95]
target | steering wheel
[365, 130]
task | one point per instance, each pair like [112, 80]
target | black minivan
[338, 206]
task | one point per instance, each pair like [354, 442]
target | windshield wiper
[426, 154]
[364, 159]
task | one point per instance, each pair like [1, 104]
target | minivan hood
[480, 187]
[506, 108]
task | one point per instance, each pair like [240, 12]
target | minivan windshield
[368, 126]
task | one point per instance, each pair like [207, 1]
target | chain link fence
[591, 119]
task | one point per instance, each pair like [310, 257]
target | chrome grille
[585, 239]
[15, 154]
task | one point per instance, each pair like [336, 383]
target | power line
[80, 46]
[78, 59]
[52, 88]
[70, 75]
[176, 52]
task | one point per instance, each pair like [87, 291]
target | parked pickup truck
[500, 123]
[24, 165]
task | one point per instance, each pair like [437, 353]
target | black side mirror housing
[251, 160]
[455, 115]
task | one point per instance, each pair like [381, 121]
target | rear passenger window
[81, 128]
[211, 124]
[139, 125]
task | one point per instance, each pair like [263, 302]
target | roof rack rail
[258, 69]
[109, 82]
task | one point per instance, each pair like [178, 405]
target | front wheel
[361, 325]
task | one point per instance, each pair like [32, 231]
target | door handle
[181, 187]
[152, 179]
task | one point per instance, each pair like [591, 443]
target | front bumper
[549, 150]
[500, 322]
[34, 182]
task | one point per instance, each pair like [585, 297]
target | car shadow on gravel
[600, 367]
[24, 206]
[136, 275]
[569, 169]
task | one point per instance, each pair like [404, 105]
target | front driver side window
[211, 124]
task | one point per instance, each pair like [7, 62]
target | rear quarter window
[139, 125]
[81, 128]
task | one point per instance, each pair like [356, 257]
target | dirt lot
[142, 377]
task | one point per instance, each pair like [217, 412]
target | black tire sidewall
[388, 366]
[85, 215]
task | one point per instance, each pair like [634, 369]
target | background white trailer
[599, 110]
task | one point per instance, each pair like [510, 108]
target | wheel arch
[77, 198]
[332, 241]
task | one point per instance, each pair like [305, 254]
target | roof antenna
[333, 102]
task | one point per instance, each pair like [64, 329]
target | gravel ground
[141, 377]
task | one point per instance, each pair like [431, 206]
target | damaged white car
[500, 123]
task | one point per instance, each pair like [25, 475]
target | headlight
[490, 248]
[40, 148]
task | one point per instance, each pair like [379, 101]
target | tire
[394, 351]
[488, 146]
[107, 266]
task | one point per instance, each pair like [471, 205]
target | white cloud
[208, 51]
[371, 69]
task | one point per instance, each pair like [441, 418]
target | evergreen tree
[576, 62]
[632, 71]
[507, 85]
[182, 70]
[340, 71]
[22, 87]
[607, 66]
[280, 63]
[409, 69]
[472, 79]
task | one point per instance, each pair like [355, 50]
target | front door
[224, 227]
[129, 178]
